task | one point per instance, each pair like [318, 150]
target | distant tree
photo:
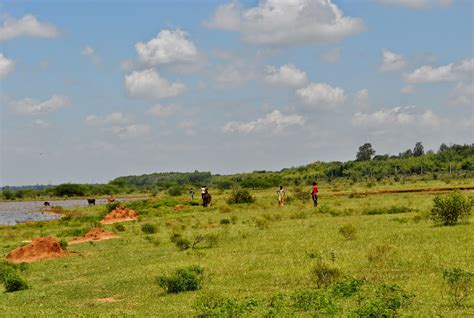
[443, 147]
[365, 152]
[406, 154]
[418, 150]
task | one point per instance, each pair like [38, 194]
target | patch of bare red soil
[40, 248]
[120, 214]
[96, 234]
[179, 207]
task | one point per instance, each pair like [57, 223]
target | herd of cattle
[47, 204]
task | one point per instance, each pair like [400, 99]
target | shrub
[13, 282]
[347, 288]
[315, 302]
[64, 244]
[325, 275]
[120, 227]
[385, 302]
[451, 208]
[182, 243]
[112, 206]
[348, 231]
[240, 196]
[379, 253]
[184, 279]
[149, 228]
[224, 221]
[175, 191]
[391, 210]
[459, 285]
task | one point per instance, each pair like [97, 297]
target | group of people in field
[314, 195]
[207, 198]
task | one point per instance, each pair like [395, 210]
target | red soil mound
[179, 207]
[120, 214]
[40, 248]
[96, 234]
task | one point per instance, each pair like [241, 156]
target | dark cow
[206, 199]
[46, 204]
[91, 201]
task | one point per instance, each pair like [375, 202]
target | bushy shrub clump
[240, 196]
[149, 228]
[175, 191]
[120, 227]
[459, 285]
[112, 206]
[451, 208]
[10, 277]
[385, 301]
[184, 279]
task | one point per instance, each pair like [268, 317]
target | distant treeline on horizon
[455, 160]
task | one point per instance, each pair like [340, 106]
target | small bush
[149, 228]
[348, 231]
[184, 279]
[347, 288]
[451, 208]
[120, 227]
[459, 285]
[325, 275]
[379, 253]
[224, 221]
[315, 302]
[112, 206]
[240, 196]
[64, 244]
[182, 243]
[384, 302]
[13, 282]
[175, 191]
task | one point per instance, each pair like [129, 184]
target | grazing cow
[46, 204]
[206, 199]
[91, 201]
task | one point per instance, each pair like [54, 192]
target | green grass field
[263, 252]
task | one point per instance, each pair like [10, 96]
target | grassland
[263, 251]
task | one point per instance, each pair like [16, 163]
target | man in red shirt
[314, 193]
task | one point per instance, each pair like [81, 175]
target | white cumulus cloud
[275, 121]
[322, 95]
[6, 66]
[29, 106]
[27, 26]
[91, 54]
[463, 94]
[392, 61]
[397, 116]
[287, 22]
[446, 73]
[131, 131]
[149, 84]
[287, 75]
[115, 118]
[159, 110]
[168, 47]
[419, 4]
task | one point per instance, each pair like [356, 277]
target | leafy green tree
[418, 150]
[365, 152]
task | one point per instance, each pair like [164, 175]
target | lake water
[12, 213]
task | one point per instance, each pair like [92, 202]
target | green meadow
[258, 259]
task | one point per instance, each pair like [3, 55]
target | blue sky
[93, 90]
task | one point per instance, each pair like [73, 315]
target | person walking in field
[203, 192]
[281, 196]
[314, 193]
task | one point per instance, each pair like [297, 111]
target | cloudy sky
[92, 90]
